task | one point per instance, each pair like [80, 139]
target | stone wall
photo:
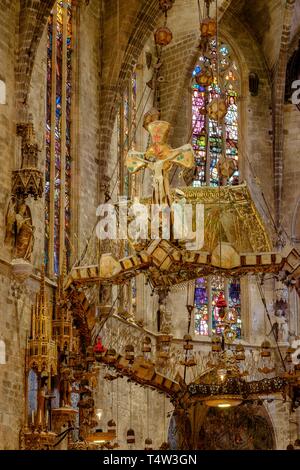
[8, 44]
[37, 109]
[86, 118]
[133, 407]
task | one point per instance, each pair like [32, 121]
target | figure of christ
[159, 158]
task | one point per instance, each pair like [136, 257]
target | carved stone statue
[165, 319]
[41, 402]
[19, 229]
[65, 387]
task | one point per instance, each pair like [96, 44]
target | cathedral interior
[149, 225]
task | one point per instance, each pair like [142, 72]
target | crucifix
[160, 158]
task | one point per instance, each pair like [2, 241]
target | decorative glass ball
[163, 36]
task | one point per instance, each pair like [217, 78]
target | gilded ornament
[163, 36]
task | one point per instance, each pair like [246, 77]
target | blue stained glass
[32, 393]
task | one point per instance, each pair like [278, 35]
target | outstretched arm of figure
[184, 156]
[135, 161]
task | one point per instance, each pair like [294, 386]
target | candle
[32, 416]
[47, 416]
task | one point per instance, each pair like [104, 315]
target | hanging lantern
[148, 444]
[130, 436]
[189, 360]
[90, 354]
[146, 345]
[217, 109]
[146, 349]
[163, 36]
[129, 352]
[266, 365]
[289, 353]
[289, 360]
[240, 352]
[164, 346]
[221, 304]
[208, 28]
[111, 356]
[265, 349]
[205, 77]
[216, 343]
[112, 427]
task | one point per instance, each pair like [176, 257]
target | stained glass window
[201, 304]
[58, 137]
[211, 138]
[234, 301]
[207, 317]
